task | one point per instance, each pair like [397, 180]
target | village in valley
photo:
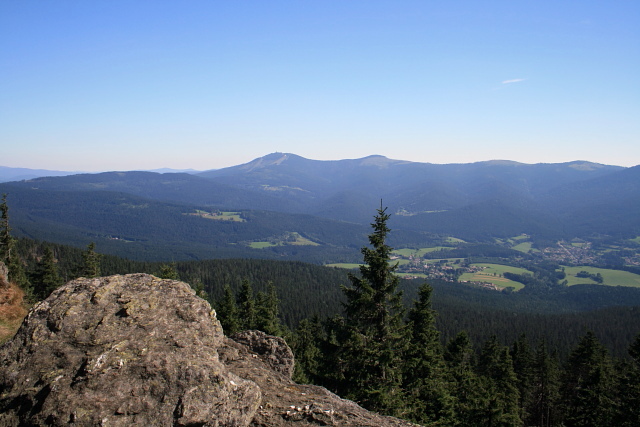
[489, 274]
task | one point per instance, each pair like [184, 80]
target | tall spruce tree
[495, 367]
[305, 345]
[247, 306]
[425, 380]
[90, 262]
[589, 384]
[523, 361]
[374, 341]
[46, 278]
[268, 311]
[471, 398]
[228, 312]
[545, 391]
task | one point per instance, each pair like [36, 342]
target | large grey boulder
[121, 351]
[273, 351]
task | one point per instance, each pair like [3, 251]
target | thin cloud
[507, 82]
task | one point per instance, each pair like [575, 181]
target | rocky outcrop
[138, 350]
[273, 351]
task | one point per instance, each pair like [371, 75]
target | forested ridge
[437, 354]
[148, 216]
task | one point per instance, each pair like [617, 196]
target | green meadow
[611, 277]
[492, 273]
[346, 265]
[523, 247]
[261, 245]
[454, 240]
[294, 239]
[220, 216]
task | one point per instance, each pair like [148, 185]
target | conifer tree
[588, 386]
[267, 311]
[374, 341]
[90, 262]
[470, 395]
[425, 381]
[495, 366]
[247, 306]
[305, 346]
[522, 357]
[228, 312]
[545, 392]
[169, 271]
[46, 278]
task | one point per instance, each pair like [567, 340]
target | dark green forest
[438, 354]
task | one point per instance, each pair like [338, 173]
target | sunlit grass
[611, 277]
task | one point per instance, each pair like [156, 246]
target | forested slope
[306, 290]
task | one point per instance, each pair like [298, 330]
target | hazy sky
[118, 85]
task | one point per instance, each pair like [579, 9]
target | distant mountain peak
[380, 161]
[276, 158]
[584, 165]
[501, 162]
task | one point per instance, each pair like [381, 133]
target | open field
[523, 247]
[611, 277]
[454, 240]
[492, 273]
[220, 216]
[261, 245]
[637, 240]
[303, 241]
[289, 238]
[348, 266]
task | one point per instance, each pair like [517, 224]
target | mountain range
[8, 174]
[332, 202]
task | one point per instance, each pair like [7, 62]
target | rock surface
[138, 350]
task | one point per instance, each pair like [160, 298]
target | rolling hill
[330, 203]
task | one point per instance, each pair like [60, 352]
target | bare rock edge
[138, 350]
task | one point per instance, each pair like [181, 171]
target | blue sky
[120, 85]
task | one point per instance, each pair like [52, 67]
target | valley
[445, 218]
